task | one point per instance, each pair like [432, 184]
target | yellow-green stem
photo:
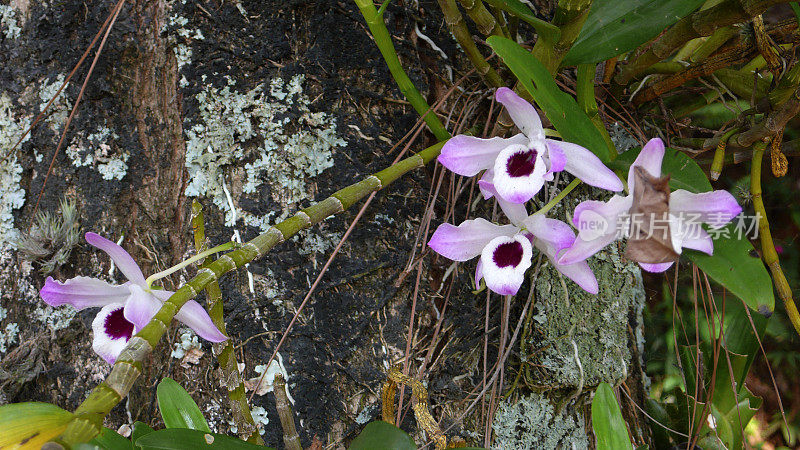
[572, 185]
[377, 27]
[164, 273]
[229, 377]
[768, 252]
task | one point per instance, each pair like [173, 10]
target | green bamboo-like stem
[377, 27]
[719, 154]
[569, 17]
[88, 419]
[458, 27]
[229, 376]
[485, 20]
[700, 23]
[584, 90]
[545, 30]
[768, 252]
[712, 44]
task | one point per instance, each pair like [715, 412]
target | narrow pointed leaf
[177, 407]
[140, 429]
[614, 27]
[607, 423]
[379, 434]
[111, 440]
[182, 439]
[30, 425]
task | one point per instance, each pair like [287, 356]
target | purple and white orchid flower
[126, 308]
[518, 166]
[599, 223]
[506, 250]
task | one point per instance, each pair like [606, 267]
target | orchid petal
[649, 159]
[522, 113]
[557, 157]
[556, 234]
[111, 332]
[193, 315]
[699, 240]
[504, 262]
[478, 273]
[656, 268]
[487, 179]
[141, 306]
[516, 212]
[598, 225]
[715, 208]
[519, 173]
[466, 241]
[468, 155]
[82, 292]
[585, 165]
[121, 258]
[581, 274]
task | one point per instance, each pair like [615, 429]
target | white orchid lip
[519, 173]
[111, 332]
[504, 262]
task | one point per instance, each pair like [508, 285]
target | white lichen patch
[12, 196]
[532, 422]
[186, 342]
[180, 39]
[260, 418]
[273, 127]
[9, 334]
[9, 22]
[312, 241]
[59, 111]
[95, 151]
[55, 318]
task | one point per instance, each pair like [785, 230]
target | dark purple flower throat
[521, 163]
[117, 326]
[508, 254]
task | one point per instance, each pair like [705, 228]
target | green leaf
[546, 30]
[734, 264]
[181, 439]
[380, 434]
[614, 27]
[177, 408]
[607, 423]
[739, 269]
[32, 423]
[111, 440]
[140, 429]
[562, 110]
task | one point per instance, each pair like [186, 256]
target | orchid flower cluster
[515, 169]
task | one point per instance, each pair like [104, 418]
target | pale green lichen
[187, 342]
[532, 422]
[95, 151]
[59, 111]
[275, 129]
[180, 39]
[54, 318]
[9, 334]
[9, 22]
[12, 196]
